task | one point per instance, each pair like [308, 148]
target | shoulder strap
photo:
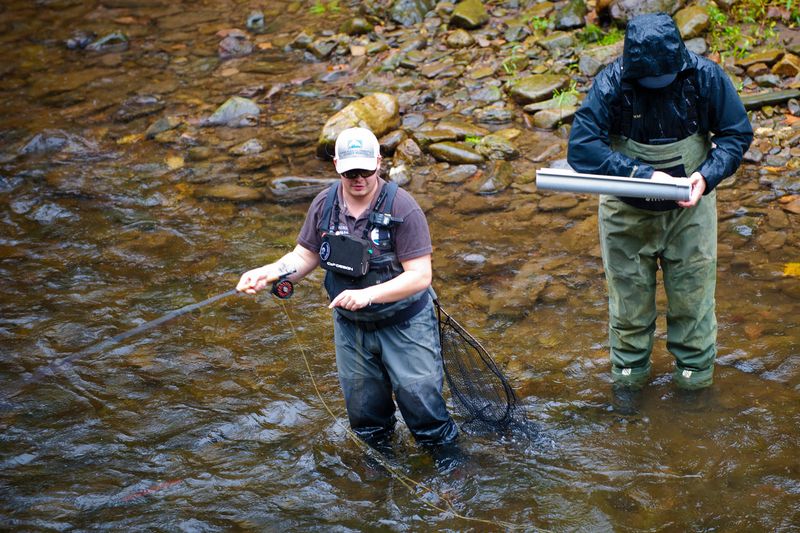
[325, 221]
[626, 110]
[381, 214]
[690, 95]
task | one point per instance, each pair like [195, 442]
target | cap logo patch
[355, 148]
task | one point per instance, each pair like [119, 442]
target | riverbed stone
[455, 152]
[788, 66]
[378, 112]
[624, 10]
[356, 26]
[459, 38]
[557, 40]
[549, 119]
[457, 174]
[291, 189]
[230, 192]
[692, 21]
[235, 44]
[461, 129]
[497, 147]
[161, 125]
[768, 56]
[536, 87]
[53, 140]
[249, 147]
[571, 16]
[515, 300]
[469, 14]
[410, 12]
[232, 112]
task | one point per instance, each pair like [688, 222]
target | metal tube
[556, 179]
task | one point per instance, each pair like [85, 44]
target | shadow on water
[210, 422]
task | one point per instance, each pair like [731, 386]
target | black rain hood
[653, 47]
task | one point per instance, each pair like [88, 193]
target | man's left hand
[698, 184]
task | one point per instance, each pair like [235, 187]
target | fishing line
[408, 482]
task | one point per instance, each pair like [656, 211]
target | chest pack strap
[381, 214]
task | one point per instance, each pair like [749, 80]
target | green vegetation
[511, 64]
[746, 25]
[568, 96]
[472, 139]
[321, 7]
[539, 24]
[595, 34]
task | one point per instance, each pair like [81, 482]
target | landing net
[482, 395]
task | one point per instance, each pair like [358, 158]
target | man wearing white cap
[372, 238]
[660, 110]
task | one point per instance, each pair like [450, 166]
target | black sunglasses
[358, 173]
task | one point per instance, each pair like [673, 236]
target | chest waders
[386, 350]
[635, 241]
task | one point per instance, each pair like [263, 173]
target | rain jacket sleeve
[727, 121]
[589, 148]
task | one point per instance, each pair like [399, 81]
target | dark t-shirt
[412, 237]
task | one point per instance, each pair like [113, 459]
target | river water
[212, 422]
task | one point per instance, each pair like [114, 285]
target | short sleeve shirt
[411, 238]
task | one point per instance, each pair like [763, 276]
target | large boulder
[378, 112]
[410, 12]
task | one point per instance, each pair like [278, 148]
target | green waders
[684, 242]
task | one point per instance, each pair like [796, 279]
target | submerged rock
[236, 111]
[230, 192]
[52, 141]
[296, 189]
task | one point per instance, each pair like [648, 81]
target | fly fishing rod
[281, 287]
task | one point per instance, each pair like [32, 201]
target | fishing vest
[350, 262]
[678, 158]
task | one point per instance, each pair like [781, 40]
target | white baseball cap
[356, 148]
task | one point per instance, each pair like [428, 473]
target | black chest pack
[352, 256]
[632, 114]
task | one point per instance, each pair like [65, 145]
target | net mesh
[482, 395]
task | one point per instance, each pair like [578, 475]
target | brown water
[211, 423]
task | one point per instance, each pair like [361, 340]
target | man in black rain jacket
[660, 110]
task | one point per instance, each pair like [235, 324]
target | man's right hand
[254, 280]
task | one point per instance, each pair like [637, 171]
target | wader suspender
[624, 109]
[378, 217]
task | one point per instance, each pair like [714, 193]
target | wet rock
[409, 152]
[758, 100]
[113, 42]
[549, 119]
[496, 113]
[536, 87]
[768, 80]
[516, 32]
[469, 14]
[563, 100]
[230, 192]
[592, 60]
[249, 147]
[137, 107]
[255, 22]
[80, 39]
[161, 125]
[391, 141]
[692, 21]
[292, 189]
[557, 40]
[400, 174]
[516, 299]
[322, 48]
[455, 152]
[379, 112]
[777, 220]
[557, 202]
[497, 147]
[460, 38]
[771, 240]
[474, 259]
[475, 205]
[768, 56]
[571, 16]
[457, 174]
[624, 10]
[356, 26]
[410, 12]
[52, 141]
[697, 45]
[459, 129]
[498, 177]
[788, 66]
[235, 44]
[235, 112]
